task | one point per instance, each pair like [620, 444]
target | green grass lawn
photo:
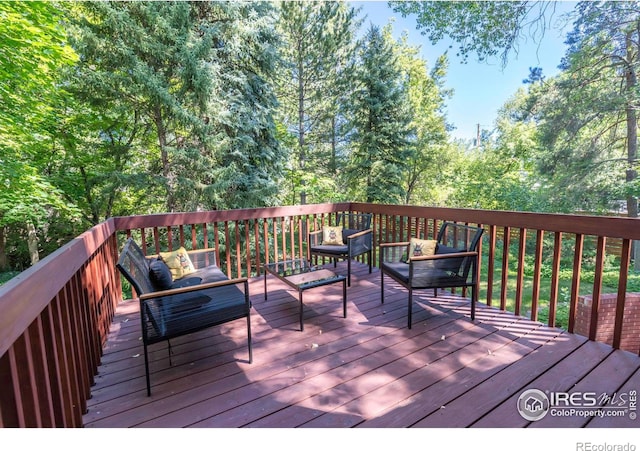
[609, 285]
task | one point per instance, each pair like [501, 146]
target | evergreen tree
[318, 43]
[380, 147]
[196, 74]
[246, 161]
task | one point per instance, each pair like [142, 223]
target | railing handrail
[609, 226]
[176, 219]
[27, 294]
[55, 316]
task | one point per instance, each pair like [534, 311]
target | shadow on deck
[367, 370]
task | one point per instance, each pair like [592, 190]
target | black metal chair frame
[202, 299]
[358, 238]
[454, 265]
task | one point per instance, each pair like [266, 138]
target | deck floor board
[366, 370]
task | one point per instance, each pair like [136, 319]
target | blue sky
[480, 89]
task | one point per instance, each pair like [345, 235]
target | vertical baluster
[520, 274]
[256, 237]
[227, 248]
[24, 383]
[575, 282]
[156, 240]
[535, 296]
[555, 278]
[506, 240]
[247, 241]
[275, 240]
[216, 244]
[300, 238]
[76, 297]
[597, 287]
[66, 361]
[194, 236]
[38, 350]
[491, 262]
[143, 240]
[9, 413]
[625, 258]
[238, 253]
[265, 235]
[284, 238]
[60, 401]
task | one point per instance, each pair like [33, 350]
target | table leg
[301, 310]
[344, 298]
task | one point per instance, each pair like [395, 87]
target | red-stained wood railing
[55, 316]
[54, 320]
[504, 229]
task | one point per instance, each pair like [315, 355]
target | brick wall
[606, 320]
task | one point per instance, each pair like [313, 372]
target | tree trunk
[4, 260]
[632, 139]
[164, 156]
[301, 131]
[32, 243]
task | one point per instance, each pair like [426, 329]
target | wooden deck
[367, 370]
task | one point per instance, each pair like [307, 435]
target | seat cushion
[187, 282]
[399, 270]
[329, 249]
[208, 274]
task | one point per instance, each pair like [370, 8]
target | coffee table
[301, 275]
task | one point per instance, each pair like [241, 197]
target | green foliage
[426, 97]
[117, 108]
[380, 147]
[483, 28]
[587, 116]
[33, 52]
[312, 81]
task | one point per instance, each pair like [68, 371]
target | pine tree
[317, 48]
[380, 147]
[198, 74]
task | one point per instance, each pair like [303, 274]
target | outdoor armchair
[450, 261]
[348, 238]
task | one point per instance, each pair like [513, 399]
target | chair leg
[474, 299]
[369, 259]
[349, 272]
[381, 287]
[410, 307]
[146, 369]
[249, 338]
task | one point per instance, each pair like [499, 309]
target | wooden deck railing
[54, 317]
